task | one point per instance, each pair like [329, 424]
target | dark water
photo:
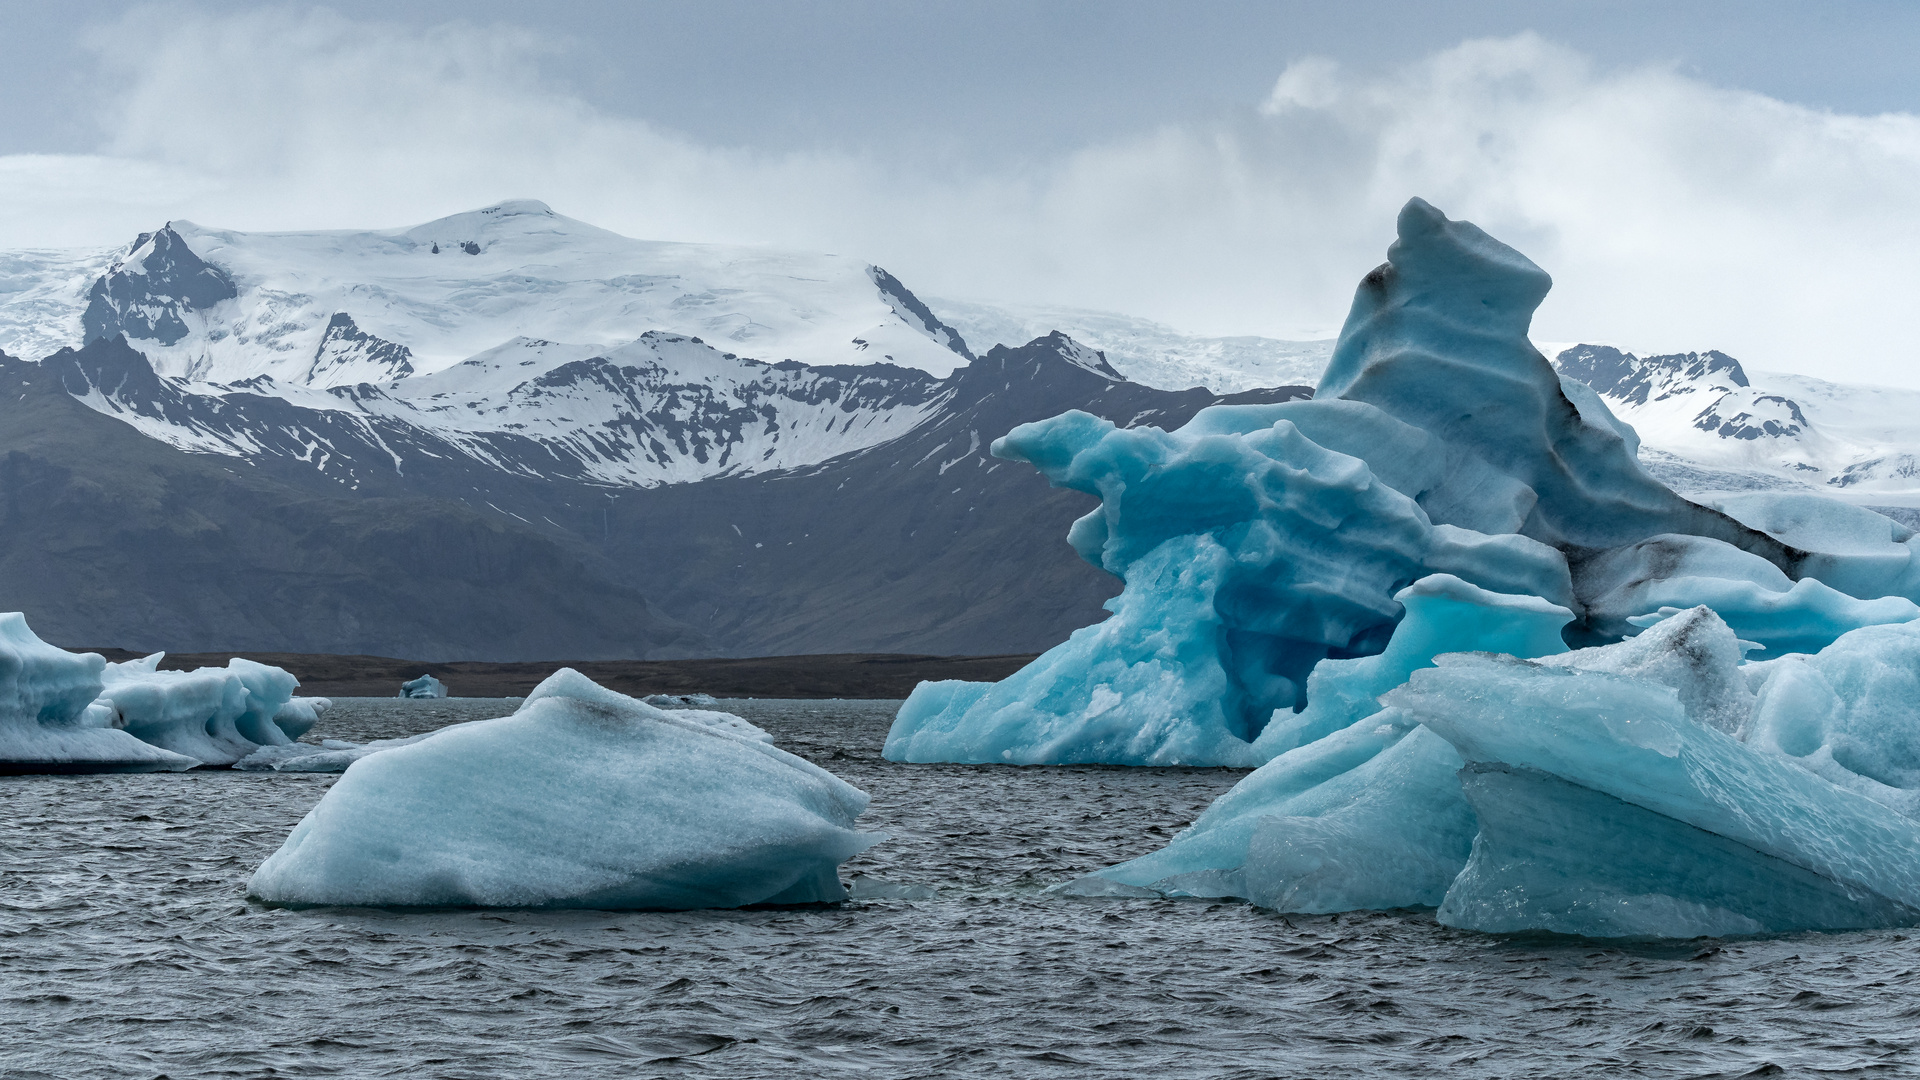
[127, 950]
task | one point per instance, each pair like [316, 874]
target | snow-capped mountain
[661, 409]
[327, 309]
[1706, 426]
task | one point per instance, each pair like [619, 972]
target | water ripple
[127, 949]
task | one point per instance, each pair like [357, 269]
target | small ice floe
[582, 798]
[330, 756]
[678, 701]
[426, 686]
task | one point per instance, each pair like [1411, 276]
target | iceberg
[680, 701]
[1400, 568]
[1258, 543]
[1250, 556]
[1658, 787]
[582, 798]
[50, 718]
[426, 686]
[214, 715]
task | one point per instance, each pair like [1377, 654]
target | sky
[1740, 176]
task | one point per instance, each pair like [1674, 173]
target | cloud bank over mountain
[1672, 213]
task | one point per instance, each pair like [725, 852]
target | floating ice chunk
[1631, 739]
[426, 686]
[215, 715]
[582, 798]
[678, 701]
[1363, 809]
[1623, 587]
[330, 756]
[299, 714]
[50, 720]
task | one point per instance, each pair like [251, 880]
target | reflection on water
[127, 950]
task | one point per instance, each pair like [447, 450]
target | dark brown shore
[843, 675]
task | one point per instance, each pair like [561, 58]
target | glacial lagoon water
[127, 949]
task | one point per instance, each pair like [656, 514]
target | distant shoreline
[839, 675]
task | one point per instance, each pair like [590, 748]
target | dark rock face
[908, 307]
[1710, 377]
[1635, 380]
[344, 344]
[146, 294]
[395, 541]
[109, 536]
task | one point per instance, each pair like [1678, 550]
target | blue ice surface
[1564, 750]
[1251, 554]
[582, 798]
[1361, 808]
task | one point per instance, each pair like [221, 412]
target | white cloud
[1671, 213]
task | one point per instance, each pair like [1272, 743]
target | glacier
[582, 798]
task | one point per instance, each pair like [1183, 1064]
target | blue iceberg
[1260, 542]
[216, 716]
[1360, 806]
[1481, 660]
[582, 798]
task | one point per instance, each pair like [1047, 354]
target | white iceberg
[50, 720]
[582, 798]
[215, 715]
[426, 686]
